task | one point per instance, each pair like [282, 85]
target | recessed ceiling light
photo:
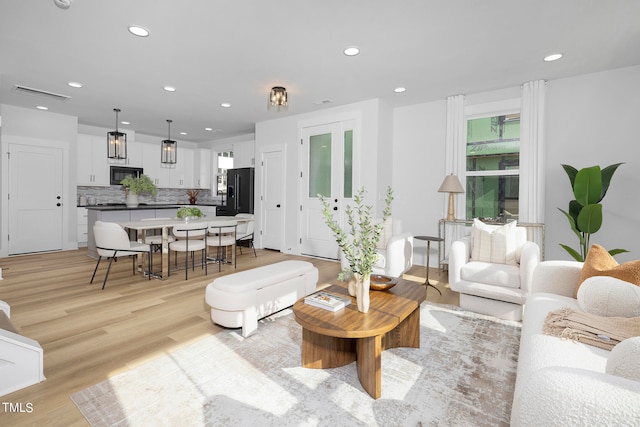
[125, 123]
[42, 107]
[351, 51]
[399, 89]
[183, 133]
[74, 84]
[62, 4]
[553, 57]
[169, 88]
[138, 31]
[225, 105]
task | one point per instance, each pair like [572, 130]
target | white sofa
[241, 299]
[561, 382]
[21, 358]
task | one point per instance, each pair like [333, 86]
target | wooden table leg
[321, 351]
[406, 334]
[369, 364]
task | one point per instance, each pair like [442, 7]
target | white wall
[418, 170]
[593, 120]
[35, 127]
[375, 120]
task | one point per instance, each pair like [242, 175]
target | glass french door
[327, 158]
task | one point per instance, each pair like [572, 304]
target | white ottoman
[241, 299]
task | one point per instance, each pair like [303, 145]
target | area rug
[463, 374]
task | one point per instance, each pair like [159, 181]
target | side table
[429, 239]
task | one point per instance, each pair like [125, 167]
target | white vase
[351, 284]
[131, 200]
[362, 292]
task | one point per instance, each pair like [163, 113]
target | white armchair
[492, 288]
[395, 251]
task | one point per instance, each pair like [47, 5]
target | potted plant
[188, 212]
[193, 196]
[358, 243]
[137, 185]
[589, 186]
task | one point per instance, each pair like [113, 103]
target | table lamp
[451, 185]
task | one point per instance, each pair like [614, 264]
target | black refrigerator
[239, 191]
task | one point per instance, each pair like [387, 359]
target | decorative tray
[379, 282]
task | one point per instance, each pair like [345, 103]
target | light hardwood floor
[89, 334]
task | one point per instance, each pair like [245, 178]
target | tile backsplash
[115, 194]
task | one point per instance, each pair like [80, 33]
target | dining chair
[112, 242]
[190, 237]
[155, 240]
[245, 232]
[222, 234]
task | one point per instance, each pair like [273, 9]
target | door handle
[278, 205]
[58, 204]
[58, 197]
[335, 208]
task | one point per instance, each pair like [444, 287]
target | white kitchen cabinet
[182, 174]
[160, 176]
[83, 222]
[93, 169]
[202, 168]
[134, 154]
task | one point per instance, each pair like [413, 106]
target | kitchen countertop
[121, 207]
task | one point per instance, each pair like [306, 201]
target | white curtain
[455, 149]
[532, 148]
[455, 163]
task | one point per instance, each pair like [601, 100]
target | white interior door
[272, 200]
[35, 199]
[327, 170]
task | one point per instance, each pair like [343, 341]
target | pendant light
[116, 142]
[278, 98]
[169, 148]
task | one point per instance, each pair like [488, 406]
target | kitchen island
[122, 213]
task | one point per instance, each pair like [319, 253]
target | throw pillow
[610, 297]
[492, 243]
[599, 263]
[624, 359]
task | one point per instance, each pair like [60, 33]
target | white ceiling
[234, 51]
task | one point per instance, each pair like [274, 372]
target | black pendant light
[116, 142]
[169, 148]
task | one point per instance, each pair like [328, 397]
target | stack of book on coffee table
[327, 301]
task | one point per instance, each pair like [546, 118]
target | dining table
[165, 225]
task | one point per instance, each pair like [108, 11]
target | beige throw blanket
[598, 331]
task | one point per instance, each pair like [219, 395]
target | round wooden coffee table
[332, 339]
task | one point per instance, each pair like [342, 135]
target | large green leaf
[588, 185]
[573, 253]
[574, 209]
[607, 174]
[614, 252]
[590, 218]
[574, 228]
[571, 173]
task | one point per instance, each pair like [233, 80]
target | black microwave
[118, 173]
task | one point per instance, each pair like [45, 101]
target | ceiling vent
[41, 93]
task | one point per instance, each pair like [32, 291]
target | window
[225, 162]
[493, 166]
